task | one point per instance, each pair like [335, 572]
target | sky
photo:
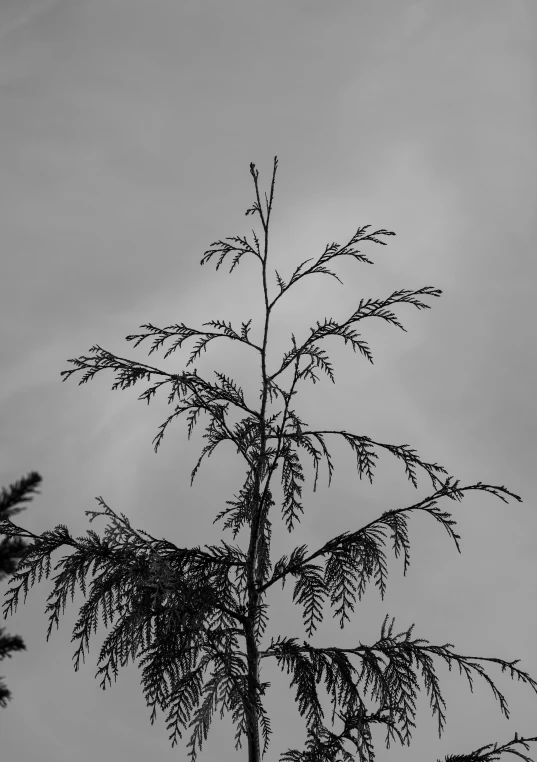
[126, 133]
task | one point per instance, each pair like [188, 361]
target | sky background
[126, 133]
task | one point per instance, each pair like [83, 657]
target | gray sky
[126, 133]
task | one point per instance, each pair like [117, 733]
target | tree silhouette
[11, 550]
[173, 605]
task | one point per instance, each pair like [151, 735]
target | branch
[129, 372]
[394, 684]
[127, 539]
[331, 251]
[358, 555]
[361, 444]
[369, 308]
[493, 754]
[161, 334]
[21, 491]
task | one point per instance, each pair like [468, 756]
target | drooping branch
[392, 684]
[391, 519]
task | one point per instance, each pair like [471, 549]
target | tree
[174, 604]
[11, 551]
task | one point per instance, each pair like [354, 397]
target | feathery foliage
[177, 610]
[11, 551]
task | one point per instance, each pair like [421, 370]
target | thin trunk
[252, 718]
[252, 651]
[258, 517]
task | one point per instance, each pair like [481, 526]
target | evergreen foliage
[177, 610]
[11, 551]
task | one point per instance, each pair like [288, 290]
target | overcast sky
[126, 133]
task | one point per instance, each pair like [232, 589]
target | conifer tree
[11, 551]
[178, 611]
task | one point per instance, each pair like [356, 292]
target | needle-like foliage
[178, 611]
[11, 551]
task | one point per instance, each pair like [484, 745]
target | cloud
[32, 13]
